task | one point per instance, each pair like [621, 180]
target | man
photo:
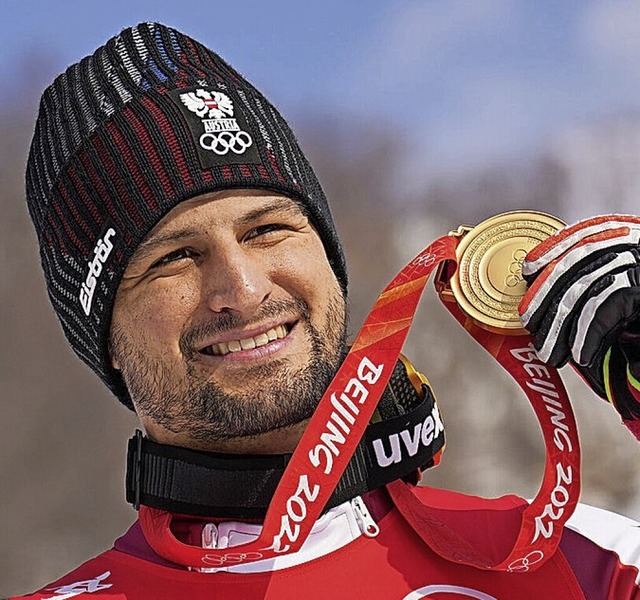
[191, 257]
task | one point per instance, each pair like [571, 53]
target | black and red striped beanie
[150, 119]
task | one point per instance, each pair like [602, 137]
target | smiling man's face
[229, 322]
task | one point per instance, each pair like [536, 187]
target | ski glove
[583, 305]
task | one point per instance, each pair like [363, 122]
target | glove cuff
[622, 387]
[594, 377]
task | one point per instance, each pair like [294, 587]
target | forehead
[227, 204]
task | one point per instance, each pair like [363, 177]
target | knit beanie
[150, 119]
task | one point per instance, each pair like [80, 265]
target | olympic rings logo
[225, 141]
[424, 260]
[523, 564]
[515, 268]
[232, 558]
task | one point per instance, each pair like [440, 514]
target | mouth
[249, 343]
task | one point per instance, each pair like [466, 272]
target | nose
[236, 281]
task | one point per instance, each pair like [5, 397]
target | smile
[262, 339]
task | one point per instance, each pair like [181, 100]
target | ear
[114, 361]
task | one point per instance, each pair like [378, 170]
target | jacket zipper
[367, 525]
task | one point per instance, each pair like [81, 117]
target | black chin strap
[401, 444]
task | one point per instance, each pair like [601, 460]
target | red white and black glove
[583, 306]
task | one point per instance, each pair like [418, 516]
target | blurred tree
[358, 165]
[470, 196]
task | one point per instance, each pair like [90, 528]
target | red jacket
[597, 559]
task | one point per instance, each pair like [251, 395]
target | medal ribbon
[345, 410]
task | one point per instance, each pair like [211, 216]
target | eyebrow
[284, 205]
[148, 247]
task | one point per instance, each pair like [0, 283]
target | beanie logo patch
[101, 253]
[219, 131]
[214, 105]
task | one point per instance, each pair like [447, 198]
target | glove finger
[609, 309]
[552, 350]
[556, 280]
[600, 234]
[554, 321]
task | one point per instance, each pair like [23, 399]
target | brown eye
[265, 230]
[172, 257]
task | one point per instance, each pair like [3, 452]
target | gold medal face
[488, 283]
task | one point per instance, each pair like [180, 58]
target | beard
[278, 394]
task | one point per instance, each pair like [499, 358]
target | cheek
[308, 274]
[159, 315]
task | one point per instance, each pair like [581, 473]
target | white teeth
[248, 343]
[261, 340]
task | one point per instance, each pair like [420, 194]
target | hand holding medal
[583, 305]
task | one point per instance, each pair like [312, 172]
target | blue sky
[468, 82]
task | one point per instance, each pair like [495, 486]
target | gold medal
[488, 283]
